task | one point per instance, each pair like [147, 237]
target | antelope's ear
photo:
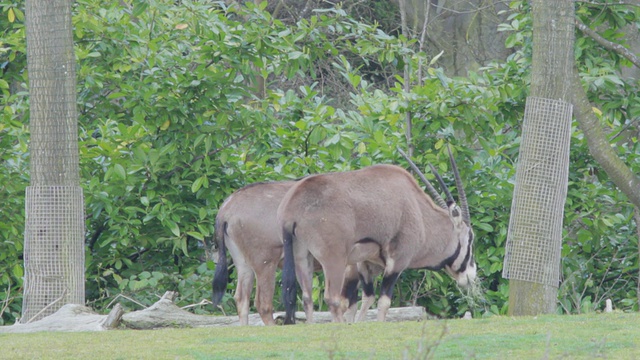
[455, 213]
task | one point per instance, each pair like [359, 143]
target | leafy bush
[14, 166]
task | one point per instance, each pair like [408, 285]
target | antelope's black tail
[289, 286]
[221, 277]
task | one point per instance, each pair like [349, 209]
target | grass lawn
[611, 336]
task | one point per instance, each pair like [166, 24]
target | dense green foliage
[14, 167]
[173, 118]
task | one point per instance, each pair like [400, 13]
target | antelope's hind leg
[265, 287]
[243, 291]
[334, 279]
[304, 274]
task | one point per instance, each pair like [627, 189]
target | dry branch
[114, 318]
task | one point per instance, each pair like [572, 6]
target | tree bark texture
[553, 59]
[541, 177]
[52, 90]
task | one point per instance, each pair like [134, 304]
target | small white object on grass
[608, 307]
[467, 315]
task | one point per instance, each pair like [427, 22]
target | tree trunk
[599, 146]
[54, 227]
[532, 260]
[259, 83]
[465, 30]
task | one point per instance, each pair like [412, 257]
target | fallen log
[70, 317]
[410, 313]
[166, 314]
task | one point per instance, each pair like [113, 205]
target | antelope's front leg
[350, 292]
[367, 272]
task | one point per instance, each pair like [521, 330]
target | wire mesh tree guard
[534, 239]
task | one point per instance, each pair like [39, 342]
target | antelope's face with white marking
[462, 266]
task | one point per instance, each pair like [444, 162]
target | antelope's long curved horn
[436, 196]
[442, 184]
[462, 196]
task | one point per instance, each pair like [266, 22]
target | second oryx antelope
[246, 226]
[377, 215]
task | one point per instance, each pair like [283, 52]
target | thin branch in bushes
[605, 276]
[5, 303]
[576, 296]
[126, 297]
[64, 293]
[617, 48]
[619, 3]
[203, 302]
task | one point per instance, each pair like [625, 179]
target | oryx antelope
[246, 226]
[379, 216]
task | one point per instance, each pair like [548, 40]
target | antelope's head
[461, 266]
